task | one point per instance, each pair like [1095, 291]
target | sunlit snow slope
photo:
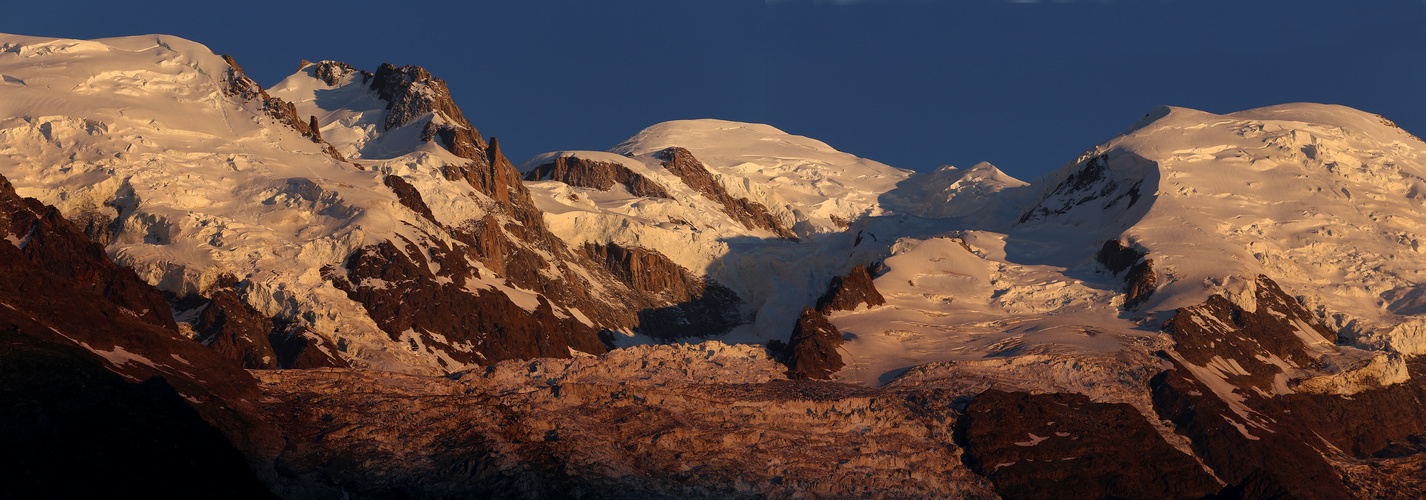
[1327, 200]
[140, 129]
[146, 142]
[980, 266]
[188, 171]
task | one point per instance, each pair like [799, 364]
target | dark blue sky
[915, 84]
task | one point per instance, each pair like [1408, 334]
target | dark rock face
[1139, 284]
[749, 213]
[1365, 424]
[1220, 328]
[1116, 256]
[464, 142]
[1140, 281]
[599, 175]
[229, 325]
[72, 429]
[69, 314]
[316, 129]
[511, 241]
[401, 293]
[409, 196]
[848, 292]
[811, 353]
[332, 72]
[411, 91]
[239, 85]
[681, 304]
[298, 347]
[1258, 459]
[54, 244]
[1065, 446]
[1263, 442]
[236, 330]
[1090, 183]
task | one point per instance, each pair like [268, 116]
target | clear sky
[913, 83]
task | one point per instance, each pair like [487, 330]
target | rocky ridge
[750, 213]
[504, 240]
[582, 172]
[242, 87]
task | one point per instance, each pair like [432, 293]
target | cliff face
[1139, 281]
[678, 304]
[1261, 397]
[848, 292]
[578, 292]
[229, 325]
[583, 172]
[811, 353]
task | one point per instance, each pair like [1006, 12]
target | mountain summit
[1202, 305]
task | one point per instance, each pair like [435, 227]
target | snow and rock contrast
[1204, 304]
[357, 212]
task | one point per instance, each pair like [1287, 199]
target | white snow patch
[1034, 440]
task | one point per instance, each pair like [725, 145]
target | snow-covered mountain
[361, 208]
[1224, 294]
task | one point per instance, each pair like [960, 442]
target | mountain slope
[323, 217]
[1243, 283]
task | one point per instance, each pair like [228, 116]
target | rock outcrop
[441, 317]
[1231, 392]
[332, 72]
[1257, 461]
[298, 347]
[1140, 281]
[1091, 183]
[234, 329]
[811, 353]
[436, 311]
[581, 172]
[749, 213]
[411, 92]
[679, 305]
[242, 87]
[1278, 335]
[580, 291]
[45, 238]
[846, 293]
[409, 196]
[228, 324]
